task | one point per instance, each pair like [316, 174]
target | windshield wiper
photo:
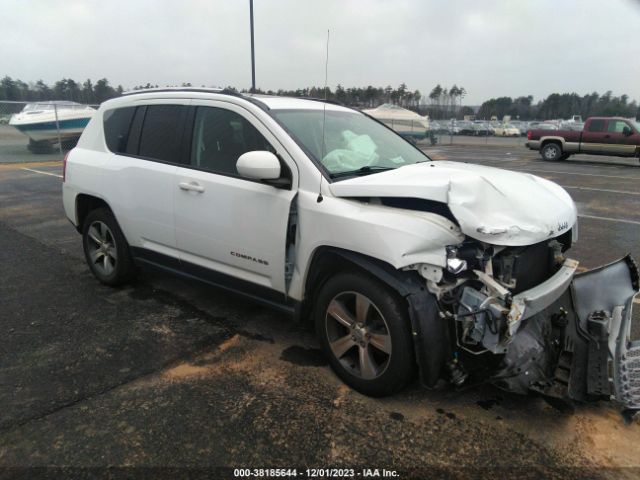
[366, 170]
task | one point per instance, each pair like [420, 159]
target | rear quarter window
[117, 123]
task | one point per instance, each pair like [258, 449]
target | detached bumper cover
[535, 300]
[571, 336]
[603, 301]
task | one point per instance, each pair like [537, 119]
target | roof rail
[328, 100]
[173, 89]
[222, 91]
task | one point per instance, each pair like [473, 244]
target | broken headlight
[469, 255]
[455, 264]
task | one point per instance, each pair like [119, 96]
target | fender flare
[552, 138]
[431, 339]
[91, 199]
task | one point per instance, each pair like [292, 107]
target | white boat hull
[46, 126]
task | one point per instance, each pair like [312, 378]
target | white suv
[319, 210]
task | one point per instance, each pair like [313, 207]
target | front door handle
[191, 186]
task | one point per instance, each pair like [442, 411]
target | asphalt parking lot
[169, 373]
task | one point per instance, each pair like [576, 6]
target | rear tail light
[64, 166]
[529, 135]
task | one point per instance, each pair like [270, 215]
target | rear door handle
[191, 186]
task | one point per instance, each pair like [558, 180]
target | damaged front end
[539, 324]
[578, 347]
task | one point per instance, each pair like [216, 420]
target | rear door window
[162, 132]
[133, 141]
[596, 126]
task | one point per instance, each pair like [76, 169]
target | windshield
[352, 141]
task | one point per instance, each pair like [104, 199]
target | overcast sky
[491, 47]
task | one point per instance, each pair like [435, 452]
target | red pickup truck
[600, 136]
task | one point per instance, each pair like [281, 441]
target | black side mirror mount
[285, 180]
[281, 183]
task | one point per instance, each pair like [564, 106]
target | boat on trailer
[405, 122]
[48, 123]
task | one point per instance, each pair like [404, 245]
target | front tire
[105, 248]
[551, 152]
[363, 328]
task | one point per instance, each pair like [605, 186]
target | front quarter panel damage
[396, 236]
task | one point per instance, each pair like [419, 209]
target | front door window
[220, 137]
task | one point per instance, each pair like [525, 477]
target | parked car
[523, 128]
[481, 129]
[516, 124]
[506, 130]
[444, 127]
[435, 127]
[493, 127]
[465, 128]
[331, 217]
[600, 136]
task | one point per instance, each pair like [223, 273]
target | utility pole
[253, 55]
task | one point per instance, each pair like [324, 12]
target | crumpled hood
[490, 204]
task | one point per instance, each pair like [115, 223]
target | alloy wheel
[358, 335]
[102, 248]
[550, 153]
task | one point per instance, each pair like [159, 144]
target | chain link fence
[40, 131]
[460, 132]
[430, 133]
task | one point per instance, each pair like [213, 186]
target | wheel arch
[432, 347]
[546, 140]
[327, 260]
[85, 204]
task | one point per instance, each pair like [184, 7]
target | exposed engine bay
[488, 285]
[536, 323]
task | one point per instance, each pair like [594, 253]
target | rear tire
[551, 152]
[105, 249]
[363, 328]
